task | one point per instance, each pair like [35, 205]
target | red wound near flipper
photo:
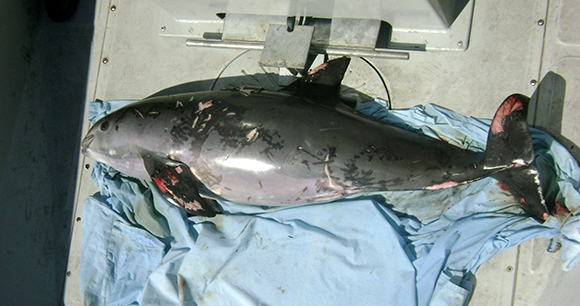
[502, 187]
[161, 185]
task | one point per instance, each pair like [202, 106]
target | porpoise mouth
[86, 142]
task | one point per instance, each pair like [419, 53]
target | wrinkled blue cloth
[412, 248]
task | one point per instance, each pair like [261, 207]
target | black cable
[382, 79]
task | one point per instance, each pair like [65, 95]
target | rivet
[460, 43]
[113, 8]
[541, 22]
[68, 273]
[533, 82]
[163, 28]
[105, 60]
[510, 268]
[78, 219]
[87, 166]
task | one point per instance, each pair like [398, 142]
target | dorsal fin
[329, 73]
[323, 82]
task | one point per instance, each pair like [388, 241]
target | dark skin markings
[331, 154]
[235, 138]
[358, 176]
[269, 154]
[182, 131]
[305, 162]
[382, 153]
[321, 160]
[393, 182]
[122, 115]
[312, 155]
[268, 138]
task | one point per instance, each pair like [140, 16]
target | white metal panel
[415, 23]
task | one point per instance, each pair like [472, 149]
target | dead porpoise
[279, 148]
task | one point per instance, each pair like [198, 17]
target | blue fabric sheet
[138, 250]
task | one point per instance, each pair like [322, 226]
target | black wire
[382, 79]
[225, 67]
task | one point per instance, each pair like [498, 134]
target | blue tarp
[403, 248]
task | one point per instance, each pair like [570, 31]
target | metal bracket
[286, 49]
[387, 28]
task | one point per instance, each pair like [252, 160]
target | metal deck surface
[513, 47]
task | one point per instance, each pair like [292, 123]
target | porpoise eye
[104, 125]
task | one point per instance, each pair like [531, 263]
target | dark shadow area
[384, 40]
[348, 95]
[448, 10]
[39, 165]
[549, 98]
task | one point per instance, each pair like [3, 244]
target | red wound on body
[561, 210]
[161, 184]
[172, 177]
[502, 187]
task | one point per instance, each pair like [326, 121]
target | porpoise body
[274, 148]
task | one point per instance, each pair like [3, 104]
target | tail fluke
[509, 142]
[524, 184]
[510, 151]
